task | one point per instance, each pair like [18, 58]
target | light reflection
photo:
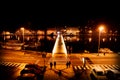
[110, 38]
[115, 39]
[77, 39]
[6, 34]
[28, 38]
[103, 39]
[73, 38]
[41, 37]
[40, 32]
[90, 39]
[90, 31]
[18, 38]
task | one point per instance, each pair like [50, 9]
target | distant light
[7, 33]
[90, 39]
[58, 32]
[90, 31]
[110, 39]
[101, 28]
[103, 39]
[22, 28]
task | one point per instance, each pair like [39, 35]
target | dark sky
[38, 16]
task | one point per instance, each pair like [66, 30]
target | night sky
[38, 16]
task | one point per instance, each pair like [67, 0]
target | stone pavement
[68, 73]
[53, 74]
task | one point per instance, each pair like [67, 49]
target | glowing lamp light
[101, 28]
[59, 46]
[58, 32]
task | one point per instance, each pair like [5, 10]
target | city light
[101, 28]
[23, 30]
[59, 46]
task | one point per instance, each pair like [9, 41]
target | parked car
[113, 74]
[35, 66]
[105, 50]
[27, 76]
[98, 73]
[38, 69]
[27, 70]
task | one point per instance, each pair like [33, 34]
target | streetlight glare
[101, 28]
[22, 28]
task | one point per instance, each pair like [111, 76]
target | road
[12, 62]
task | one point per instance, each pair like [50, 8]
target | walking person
[69, 63]
[51, 64]
[104, 53]
[54, 64]
[60, 72]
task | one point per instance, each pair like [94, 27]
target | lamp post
[100, 30]
[22, 28]
[4, 36]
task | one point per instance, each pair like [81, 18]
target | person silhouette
[59, 73]
[51, 64]
[104, 53]
[54, 64]
[69, 63]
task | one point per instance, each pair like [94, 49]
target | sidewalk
[96, 54]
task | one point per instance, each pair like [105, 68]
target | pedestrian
[54, 64]
[69, 63]
[51, 64]
[59, 73]
[104, 53]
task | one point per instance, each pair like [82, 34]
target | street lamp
[100, 30]
[22, 28]
[4, 35]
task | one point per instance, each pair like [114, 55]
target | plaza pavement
[68, 73]
[53, 74]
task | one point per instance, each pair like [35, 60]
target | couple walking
[68, 63]
[51, 64]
